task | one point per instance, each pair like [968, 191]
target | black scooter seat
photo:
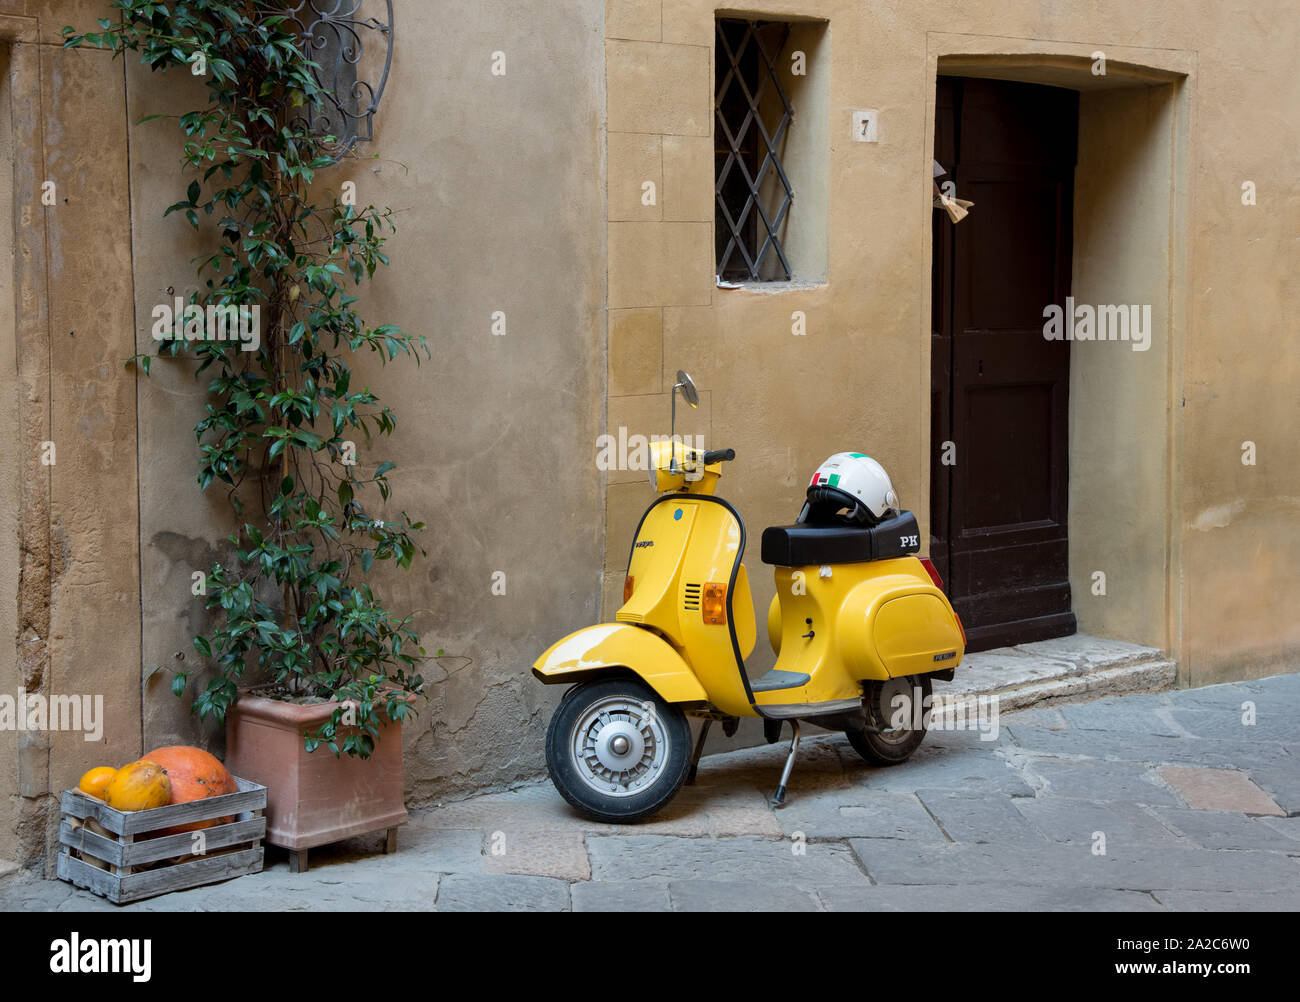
[804, 545]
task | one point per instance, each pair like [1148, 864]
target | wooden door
[999, 389]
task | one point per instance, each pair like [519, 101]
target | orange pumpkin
[195, 775]
[139, 786]
[95, 782]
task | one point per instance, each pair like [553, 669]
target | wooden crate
[133, 866]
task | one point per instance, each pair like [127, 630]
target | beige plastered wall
[1199, 551]
[497, 188]
[72, 597]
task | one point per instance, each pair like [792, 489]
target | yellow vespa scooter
[860, 627]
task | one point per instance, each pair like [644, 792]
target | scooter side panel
[915, 634]
[600, 648]
[716, 538]
[856, 624]
[850, 643]
[656, 568]
[808, 606]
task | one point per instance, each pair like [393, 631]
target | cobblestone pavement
[1140, 802]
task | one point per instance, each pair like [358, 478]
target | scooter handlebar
[719, 456]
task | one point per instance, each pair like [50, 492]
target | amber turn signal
[629, 583]
[714, 606]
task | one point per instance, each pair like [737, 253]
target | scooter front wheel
[616, 751]
[896, 713]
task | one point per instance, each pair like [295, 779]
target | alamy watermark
[632, 452]
[955, 713]
[181, 322]
[31, 711]
[1098, 323]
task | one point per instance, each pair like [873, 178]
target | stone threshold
[1069, 669]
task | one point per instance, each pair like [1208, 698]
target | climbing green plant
[281, 410]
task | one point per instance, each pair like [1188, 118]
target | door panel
[999, 389]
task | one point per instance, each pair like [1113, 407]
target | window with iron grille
[752, 119]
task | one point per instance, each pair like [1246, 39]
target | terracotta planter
[313, 799]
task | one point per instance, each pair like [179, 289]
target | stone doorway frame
[26, 405]
[1130, 529]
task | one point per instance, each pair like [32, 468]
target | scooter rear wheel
[880, 701]
[616, 751]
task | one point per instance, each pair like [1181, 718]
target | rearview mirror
[687, 385]
[692, 396]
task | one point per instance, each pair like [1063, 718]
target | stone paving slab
[1218, 790]
[1278, 776]
[1125, 746]
[1134, 781]
[1140, 868]
[1229, 829]
[931, 768]
[502, 893]
[1119, 821]
[1116, 714]
[985, 898]
[1289, 827]
[538, 853]
[621, 896]
[1271, 723]
[704, 895]
[725, 821]
[966, 825]
[989, 818]
[1277, 686]
[1229, 901]
[761, 861]
[875, 814]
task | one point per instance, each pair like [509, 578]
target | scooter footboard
[616, 646]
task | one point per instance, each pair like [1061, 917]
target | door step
[1068, 669]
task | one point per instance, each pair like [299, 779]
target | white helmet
[857, 482]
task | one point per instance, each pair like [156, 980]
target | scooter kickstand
[778, 798]
[699, 750]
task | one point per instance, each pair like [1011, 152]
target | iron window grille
[753, 115]
[337, 35]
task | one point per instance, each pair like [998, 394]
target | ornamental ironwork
[351, 43]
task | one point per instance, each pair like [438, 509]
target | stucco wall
[495, 183]
[1203, 549]
[10, 459]
[497, 186]
[78, 596]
